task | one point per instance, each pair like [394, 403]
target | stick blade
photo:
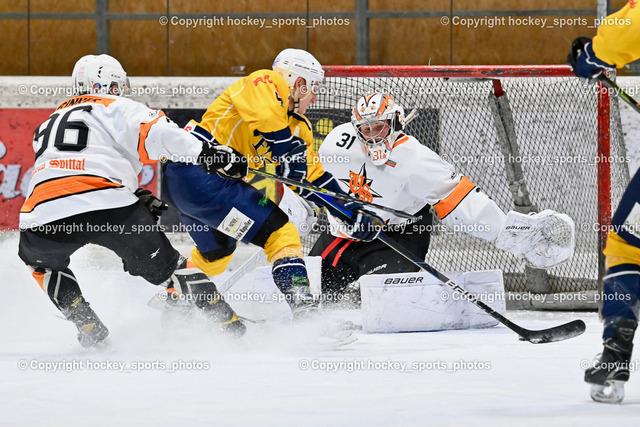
[557, 333]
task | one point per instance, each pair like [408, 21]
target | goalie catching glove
[543, 239]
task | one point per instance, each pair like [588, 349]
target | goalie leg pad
[412, 302]
[544, 239]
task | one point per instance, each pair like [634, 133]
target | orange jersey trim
[144, 132]
[84, 99]
[400, 141]
[63, 187]
[445, 206]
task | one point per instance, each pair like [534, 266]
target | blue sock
[289, 272]
[620, 297]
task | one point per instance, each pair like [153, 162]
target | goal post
[533, 131]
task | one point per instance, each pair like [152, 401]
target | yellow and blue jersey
[618, 39]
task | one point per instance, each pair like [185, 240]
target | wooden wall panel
[615, 5]
[236, 6]
[144, 45]
[14, 6]
[14, 45]
[409, 41]
[137, 6]
[333, 45]
[56, 44]
[523, 5]
[225, 50]
[332, 40]
[140, 46]
[332, 5]
[405, 5]
[505, 44]
[77, 6]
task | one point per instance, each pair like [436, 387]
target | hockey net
[511, 130]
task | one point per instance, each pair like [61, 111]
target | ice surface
[275, 375]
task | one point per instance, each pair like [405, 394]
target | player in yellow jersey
[261, 116]
[616, 44]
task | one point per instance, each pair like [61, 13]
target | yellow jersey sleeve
[263, 101]
[618, 38]
[301, 127]
[256, 103]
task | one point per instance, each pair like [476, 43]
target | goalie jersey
[413, 177]
[90, 151]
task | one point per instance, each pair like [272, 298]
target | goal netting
[531, 137]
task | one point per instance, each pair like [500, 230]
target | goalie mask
[378, 121]
[294, 63]
[99, 74]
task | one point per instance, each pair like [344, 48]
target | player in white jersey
[376, 161]
[83, 189]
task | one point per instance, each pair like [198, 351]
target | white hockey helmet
[383, 121]
[294, 63]
[99, 74]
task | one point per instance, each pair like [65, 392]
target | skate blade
[611, 392]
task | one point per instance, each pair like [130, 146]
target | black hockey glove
[293, 163]
[151, 202]
[364, 225]
[223, 161]
[583, 60]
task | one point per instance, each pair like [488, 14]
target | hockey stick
[320, 190]
[556, 333]
[249, 264]
[621, 93]
[158, 301]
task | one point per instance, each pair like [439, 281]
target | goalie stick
[556, 333]
[325, 192]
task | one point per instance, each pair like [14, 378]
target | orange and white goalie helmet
[99, 74]
[378, 121]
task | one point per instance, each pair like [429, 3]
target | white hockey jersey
[413, 177]
[89, 154]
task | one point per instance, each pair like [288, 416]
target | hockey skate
[610, 369]
[178, 309]
[226, 318]
[303, 304]
[91, 330]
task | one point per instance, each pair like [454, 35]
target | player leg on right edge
[613, 47]
[620, 302]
